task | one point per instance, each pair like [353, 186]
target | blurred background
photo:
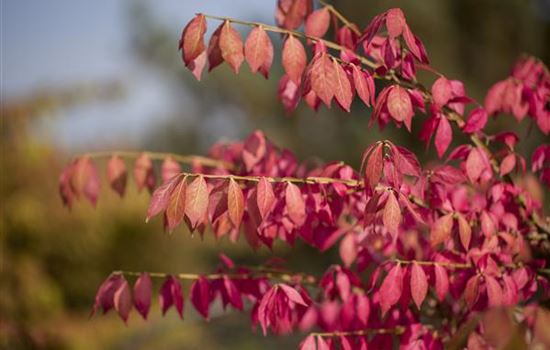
[80, 76]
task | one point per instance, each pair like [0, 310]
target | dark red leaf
[123, 300]
[200, 296]
[142, 294]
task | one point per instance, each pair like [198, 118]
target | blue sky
[67, 42]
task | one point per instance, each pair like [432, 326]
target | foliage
[450, 254]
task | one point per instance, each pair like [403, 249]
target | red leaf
[142, 294]
[160, 198]
[104, 298]
[373, 170]
[441, 229]
[322, 77]
[144, 174]
[494, 291]
[123, 300]
[235, 203]
[200, 296]
[441, 282]
[117, 175]
[406, 161]
[169, 168]
[399, 103]
[170, 294]
[471, 292]
[317, 22]
[419, 284]
[231, 46]
[392, 214]
[258, 50]
[175, 209]
[196, 201]
[395, 22]
[508, 164]
[391, 288]
[192, 39]
[342, 87]
[294, 59]
[292, 294]
[265, 198]
[476, 121]
[364, 85]
[443, 136]
[295, 204]
[442, 91]
[465, 231]
[214, 52]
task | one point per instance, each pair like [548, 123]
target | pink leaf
[294, 58]
[231, 46]
[175, 209]
[322, 76]
[392, 214]
[395, 22]
[265, 198]
[342, 87]
[258, 50]
[363, 85]
[295, 204]
[308, 343]
[144, 174]
[441, 229]
[123, 301]
[419, 284]
[443, 136]
[292, 294]
[399, 103]
[373, 170]
[235, 203]
[494, 291]
[160, 198]
[117, 174]
[465, 231]
[442, 91]
[196, 201]
[142, 294]
[391, 288]
[476, 121]
[317, 22]
[508, 164]
[169, 168]
[192, 39]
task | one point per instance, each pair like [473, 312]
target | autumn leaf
[231, 46]
[294, 59]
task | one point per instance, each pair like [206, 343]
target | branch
[397, 331]
[186, 159]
